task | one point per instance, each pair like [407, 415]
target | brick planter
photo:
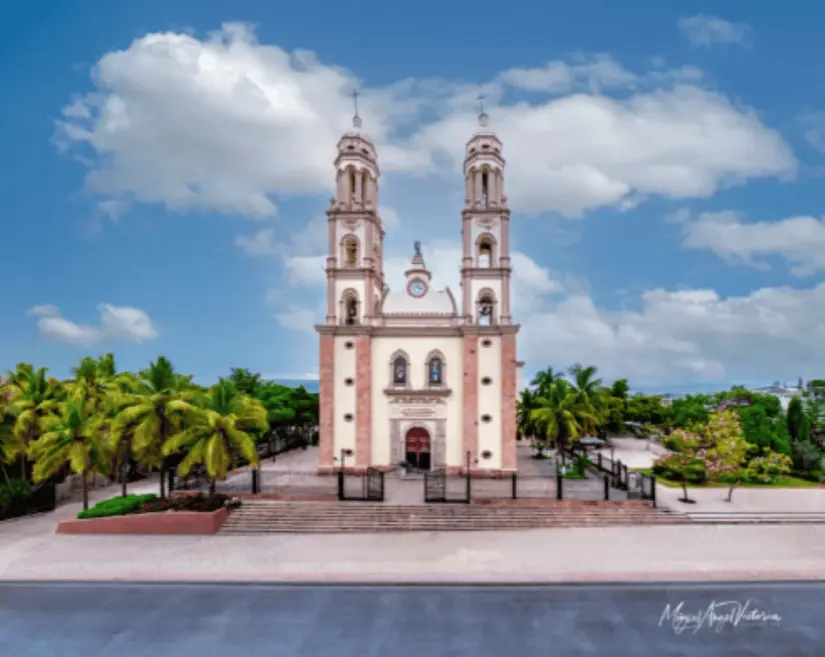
[166, 522]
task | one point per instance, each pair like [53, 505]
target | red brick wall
[469, 423]
[326, 387]
[363, 401]
[509, 382]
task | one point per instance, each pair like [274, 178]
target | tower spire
[483, 119]
[356, 120]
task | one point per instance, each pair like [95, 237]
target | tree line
[559, 408]
[102, 421]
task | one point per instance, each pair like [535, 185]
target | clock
[417, 288]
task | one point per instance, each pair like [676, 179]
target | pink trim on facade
[326, 415]
[469, 424]
[509, 381]
[363, 401]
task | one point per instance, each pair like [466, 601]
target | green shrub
[674, 443]
[117, 506]
[695, 472]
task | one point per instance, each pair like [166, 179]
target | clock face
[417, 288]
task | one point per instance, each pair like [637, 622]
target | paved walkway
[128, 620]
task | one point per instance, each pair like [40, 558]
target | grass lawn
[785, 481]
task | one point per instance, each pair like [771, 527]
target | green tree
[33, 399]
[543, 381]
[561, 414]
[525, 423]
[725, 449]
[795, 416]
[219, 427]
[156, 414]
[71, 437]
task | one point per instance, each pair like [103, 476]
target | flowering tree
[725, 449]
[768, 467]
[684, 465]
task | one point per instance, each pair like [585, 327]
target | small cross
[355, 93]
[480, 100]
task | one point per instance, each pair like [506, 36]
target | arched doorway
[417, 448]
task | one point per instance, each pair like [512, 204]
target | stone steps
[765, 518]
[258, 517]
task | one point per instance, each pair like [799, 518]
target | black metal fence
[368, 486]
[442, 488]
[637, 485]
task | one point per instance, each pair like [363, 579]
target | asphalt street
[206, 620]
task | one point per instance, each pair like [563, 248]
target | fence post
[171, 478]
[606, 488]
[469, 485]
[559, 483]
[515, 495]
[340, 485]
[653, 489]
[256, 485]
[599, 461]
[618, 468]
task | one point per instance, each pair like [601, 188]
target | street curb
[433, 579]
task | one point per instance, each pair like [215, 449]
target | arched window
[485, 187]
[485, 251]
[349, 308]
[365, 179]
[399, 371]
[350, 249]
[485, 308]
[435, 371]
[351, 175]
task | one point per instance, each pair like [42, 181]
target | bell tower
[485, 231]
[354, 266]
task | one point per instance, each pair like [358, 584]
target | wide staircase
[263, 517]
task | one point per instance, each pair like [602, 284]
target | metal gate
[438, 488]
[371, 486]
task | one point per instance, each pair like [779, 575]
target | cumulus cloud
[261, 243]
[116, 323]
[707, 31]
[798, 240]
[228, 124]
[297, 318]
[685, 336]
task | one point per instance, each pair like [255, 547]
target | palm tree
[33, 399]
[221, 427]
[156, 414]
[543, 381]
[589, 393]
[74, 437]
[525, 405]
[562, 414]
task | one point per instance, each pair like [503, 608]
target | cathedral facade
[419, 376]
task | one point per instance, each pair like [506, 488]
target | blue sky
[171, 162]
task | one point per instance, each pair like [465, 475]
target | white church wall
[344, 431]
[417, 349]
[489, 403]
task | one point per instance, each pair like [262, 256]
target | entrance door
[417, 448]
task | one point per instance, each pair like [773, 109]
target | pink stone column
[468, 182]
[477, 176]
[363, 402]
[509, 380]
[341, 188]
[326, 415]
[469, 425]
[505, 298]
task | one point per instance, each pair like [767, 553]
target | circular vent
[349, 381]
[486, 343]
[349, 344]
[486, 381]
[348, 417]
[486, 418]
[486, 454]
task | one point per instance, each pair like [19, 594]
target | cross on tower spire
[482, 115]
[356, 120]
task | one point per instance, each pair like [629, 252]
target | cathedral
[418, 376]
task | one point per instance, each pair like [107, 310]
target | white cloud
[685, 336]
[297, 318]
[291, 376]
[799, 240]
[814, 125]
[227, 124]
[116, 323]
[261, 243]
[706, 31]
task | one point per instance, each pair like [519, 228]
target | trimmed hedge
[117, 506]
